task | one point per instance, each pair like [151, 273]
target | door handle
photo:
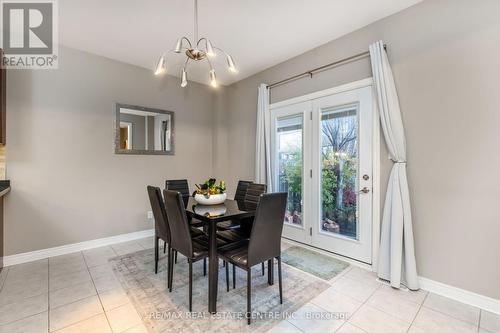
[364, 190]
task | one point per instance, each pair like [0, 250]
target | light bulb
[184, 81]
[213, 80]
[161, 66]
[210, 49]
[230, 64]
[178, 46]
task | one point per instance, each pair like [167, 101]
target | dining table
[230, 210]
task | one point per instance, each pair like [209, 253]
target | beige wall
[67, 184]
[445, 56]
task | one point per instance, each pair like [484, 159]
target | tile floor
[79, 293]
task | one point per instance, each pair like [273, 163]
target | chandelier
[198, 50]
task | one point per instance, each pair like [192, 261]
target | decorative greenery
[209, 187]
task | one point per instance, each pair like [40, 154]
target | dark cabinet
[3, 96]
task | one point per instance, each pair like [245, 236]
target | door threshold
[348, 260]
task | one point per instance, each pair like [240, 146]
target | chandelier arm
[188, 41]
[200, 40]
[219, 49]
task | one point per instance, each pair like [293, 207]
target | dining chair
[182, 186]
[182, 241]
[264, 243]
[252, 197]
[162, 229]
[241, 191]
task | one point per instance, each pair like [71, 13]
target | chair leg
[171, 262]
[190, 285]
[156, 254]
[262, 269]
[223, 263]
[234, 276]
[169, 253]
[227, 277]
[249, 295]
[205, 267]
[176, 257]
[279, 279]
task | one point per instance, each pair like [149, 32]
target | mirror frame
[118, 106]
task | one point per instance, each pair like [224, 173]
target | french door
[322, 157]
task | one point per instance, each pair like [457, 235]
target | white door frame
[368, 82]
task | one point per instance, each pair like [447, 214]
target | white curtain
[263, 139]
[396, 261]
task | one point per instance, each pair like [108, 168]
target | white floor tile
[3, 276]
[348, 328]
[412, 296]
[114, 298]
[66, 268]
[490, 321]
[69, 279]
[38, 323]
[394, 304]
[71, 294]
[99, 256]
[309, 319]
[123, 318]
[24, 308]
[437, 322]
[360, 291]
[415, 329]
[149, 243]
[14, 291]
[95, 324]
[284, 327]
[137, 329]
[376, 321]
[126, 248]
[34, 267]
[333, 301]
[75, 312]
[106, 283]
[66, 259]
[101, 271]
[452, 308]
[362, 275]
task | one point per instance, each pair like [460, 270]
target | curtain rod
[310, 73]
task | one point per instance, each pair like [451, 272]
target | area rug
[315, 263]
[163, 311]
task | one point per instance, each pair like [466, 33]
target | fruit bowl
[210, 211]
[212, 199]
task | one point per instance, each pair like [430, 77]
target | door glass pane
[289, 165]
[339, 169]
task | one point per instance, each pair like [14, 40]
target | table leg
[270, 272]
[213, 268]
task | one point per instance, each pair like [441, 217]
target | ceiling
[257, 33]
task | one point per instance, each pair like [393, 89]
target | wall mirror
[143, 131]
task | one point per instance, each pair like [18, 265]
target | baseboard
[461, 295]
[70, 248]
